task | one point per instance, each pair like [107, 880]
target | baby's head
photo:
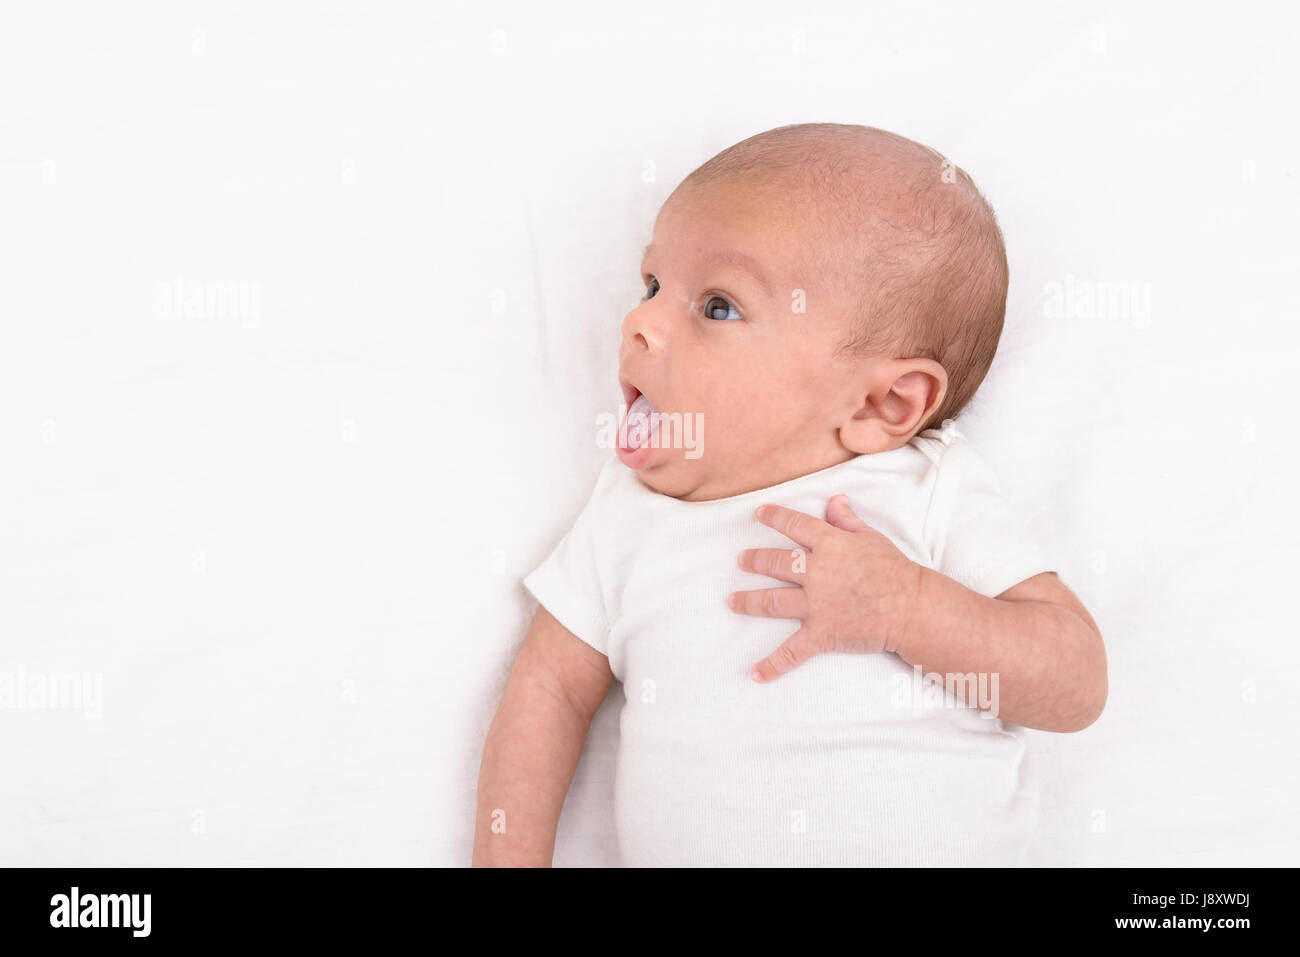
[813, 293]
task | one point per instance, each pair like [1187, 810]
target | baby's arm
[532, 749]
[1036, 636]
[856, 592]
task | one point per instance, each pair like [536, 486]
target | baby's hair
[927, 273]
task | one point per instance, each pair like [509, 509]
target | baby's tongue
[639, 423]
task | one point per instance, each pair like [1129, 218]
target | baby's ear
[901, 395]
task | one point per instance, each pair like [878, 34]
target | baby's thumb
[840, 514]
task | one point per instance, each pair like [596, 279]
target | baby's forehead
[774, 217]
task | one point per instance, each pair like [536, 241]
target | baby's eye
[651, 288]
[719, 308]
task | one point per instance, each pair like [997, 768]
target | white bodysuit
[843, 761]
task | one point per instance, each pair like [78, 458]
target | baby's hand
[853, 588]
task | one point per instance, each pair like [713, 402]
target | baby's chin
[670, 472]
[674, 476]
[692, 480]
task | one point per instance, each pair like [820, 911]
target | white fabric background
[291, 543]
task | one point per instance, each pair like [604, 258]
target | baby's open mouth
[639, 422]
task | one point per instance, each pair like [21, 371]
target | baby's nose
[640, 331]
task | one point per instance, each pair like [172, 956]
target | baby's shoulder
[917, 464]
[938, 444]
[961, 482]
[951, 459]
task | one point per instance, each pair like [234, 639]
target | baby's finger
[796, 526]
[770, 603]
[797, 649]
[840, 514]
[781, 563]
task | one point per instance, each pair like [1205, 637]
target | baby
[820, 297]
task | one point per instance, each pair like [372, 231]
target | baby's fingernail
[731, 601]
[756, 675]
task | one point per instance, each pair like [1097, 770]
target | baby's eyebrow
[733, 257]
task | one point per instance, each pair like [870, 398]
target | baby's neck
[712, 488]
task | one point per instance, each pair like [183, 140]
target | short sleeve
[974, 533]
[567, 583]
